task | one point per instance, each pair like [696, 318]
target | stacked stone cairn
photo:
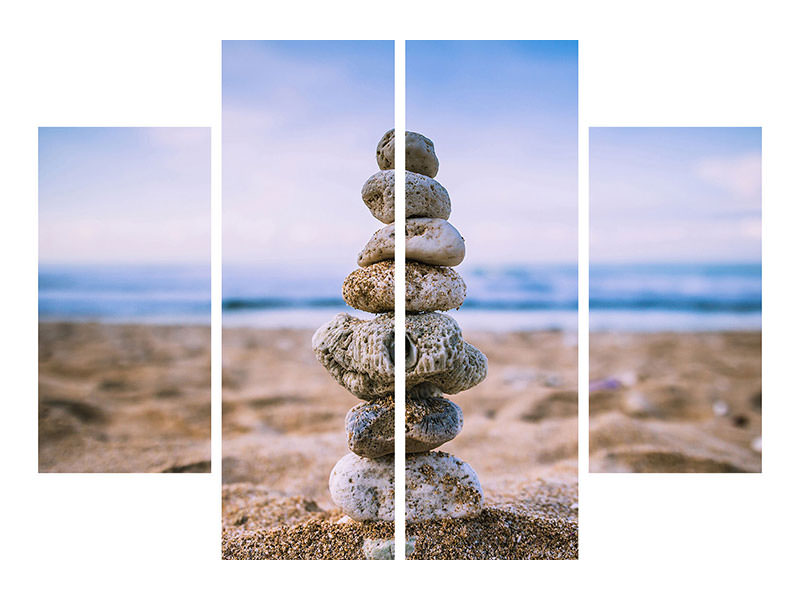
[359, 354]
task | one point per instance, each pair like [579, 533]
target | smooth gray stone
[429, 241]
[420, 154]
[430, 422]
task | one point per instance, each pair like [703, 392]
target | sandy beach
[283, 420]
[675, 402]
[124, 398]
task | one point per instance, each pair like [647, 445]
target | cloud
[675, 194]
[635, 240]
[176, 239]
[125, 195]
[739, 175]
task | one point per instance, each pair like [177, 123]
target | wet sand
[675, 402]
[283, 430]
[124, 398]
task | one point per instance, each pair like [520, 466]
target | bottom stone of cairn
[438, 486]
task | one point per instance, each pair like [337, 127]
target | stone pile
[359, 354]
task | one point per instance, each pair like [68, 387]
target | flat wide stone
[360, 354]
[437, 355]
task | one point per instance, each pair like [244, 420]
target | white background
[158, 63]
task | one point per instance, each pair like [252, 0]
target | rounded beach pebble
[420, 155]
[364, 487]
[438, 486]
[430, 241]
[430, 422]
[428, 288]
[425, 197]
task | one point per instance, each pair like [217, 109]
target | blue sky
[503, 116]
[301, 121]
[675, 194]
[124, 195]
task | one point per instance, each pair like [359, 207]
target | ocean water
[675, 297]
[159, 294]
[655, 297]
[500, 298]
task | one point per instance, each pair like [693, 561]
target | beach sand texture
[675, 402]
[124, 398]
[282, 434]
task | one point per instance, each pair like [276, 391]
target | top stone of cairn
[420, 155]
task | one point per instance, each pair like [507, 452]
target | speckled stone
[364, 487]
[420, 154]
[430, 422]
[438, 486]
[441, 486]
[428, 288]
[430, 241]
[425, 197]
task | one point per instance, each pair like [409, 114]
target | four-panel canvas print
[491, 338]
